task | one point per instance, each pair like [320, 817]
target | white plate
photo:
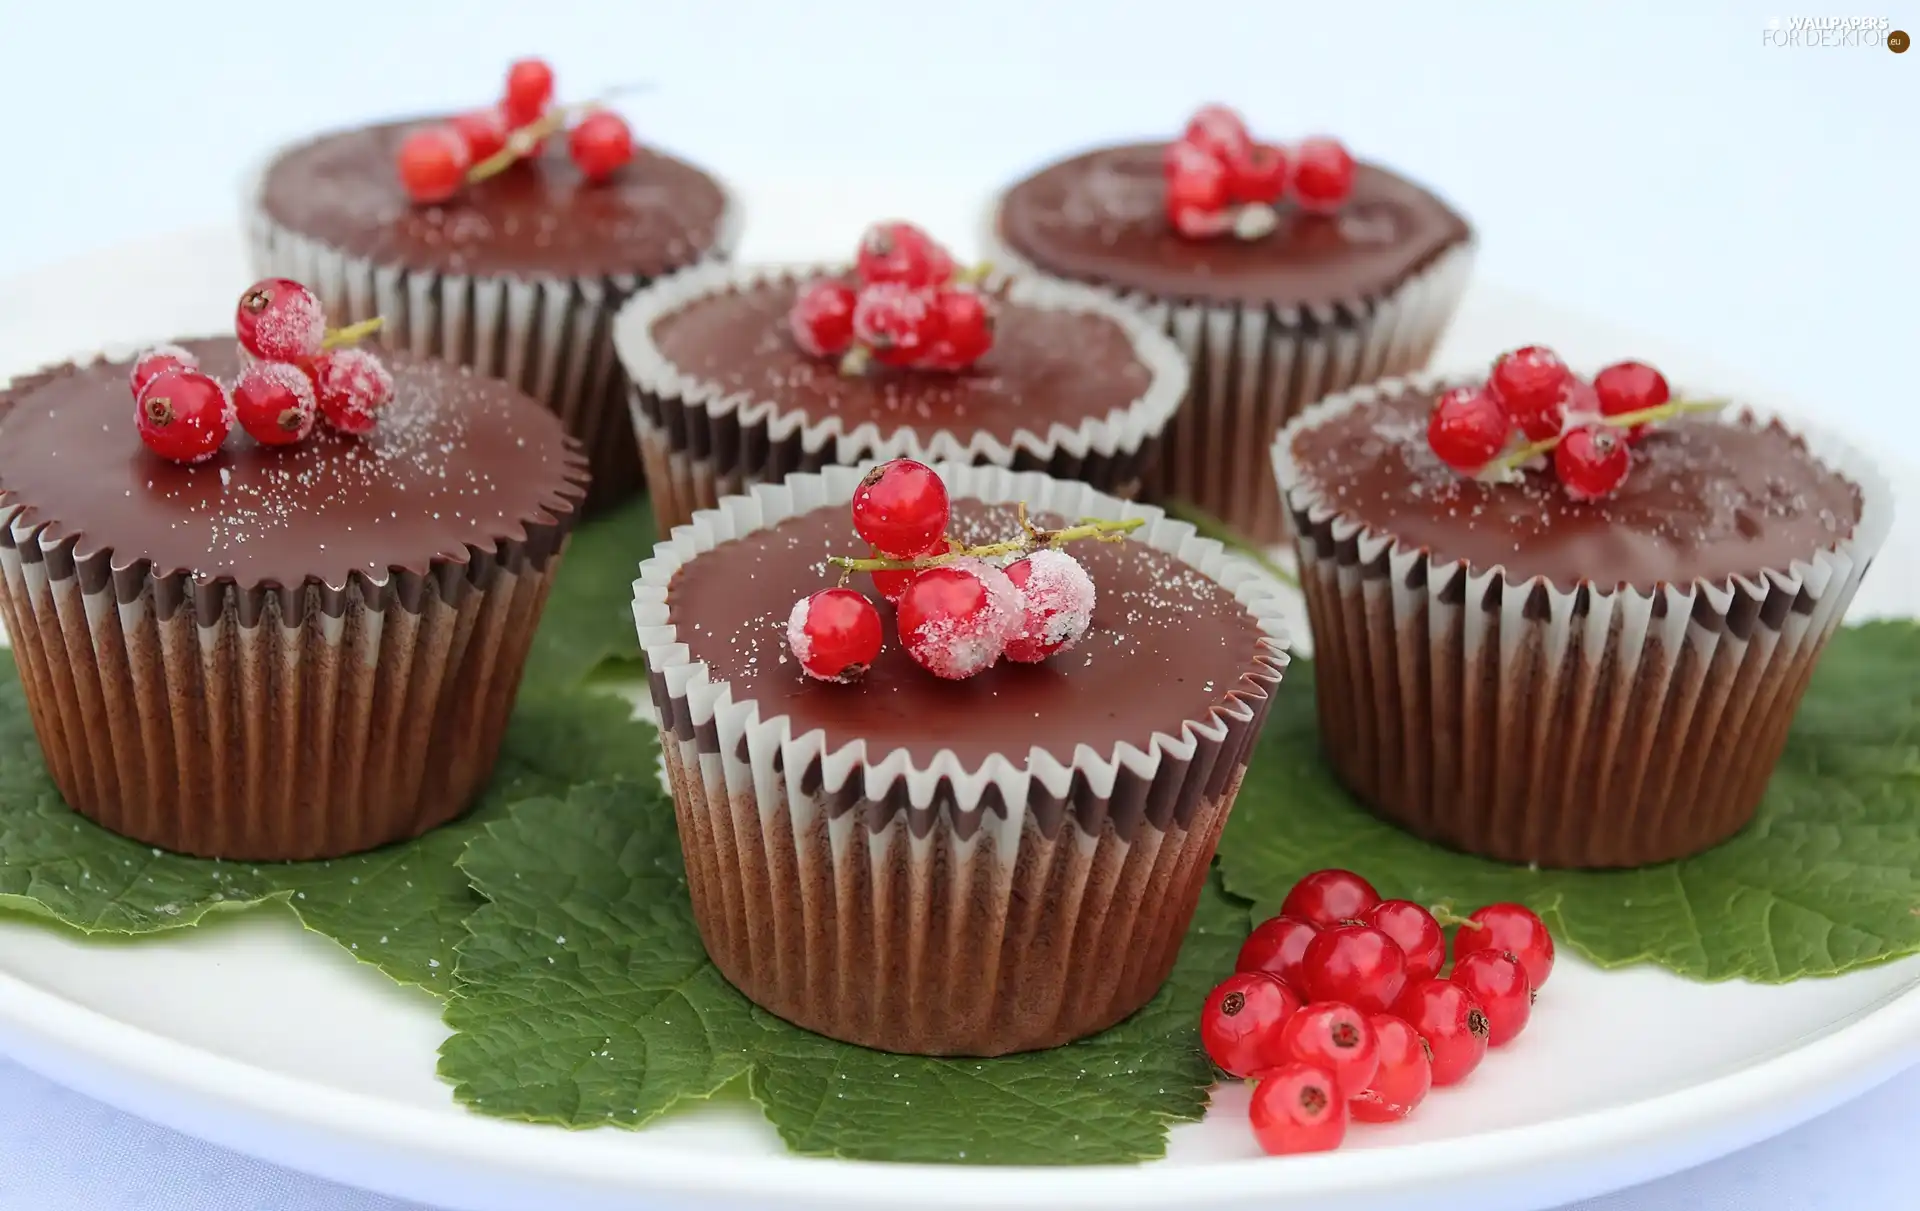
[267, 1040]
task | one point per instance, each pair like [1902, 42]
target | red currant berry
[1327, 898]
[966, 330]
[484, 131]
[279, 320]
[275, 403]
[1277, 945]
[1592, 461]
[1357, 965]
[955, 619]
[835, 634]
[1240, 1023]
[904, 255]
[1197, 200]
[891, 585]
[1336, 1037]
[184, 415]
[1452, 1022]
[433, 163]
[354, 386]
[1257, 174]
[822, 318]
[1217, 130]
[601, 145]
[1530, 382]
[1414, 930]
[1404, 1077]
[901, 507]
[157, 361]
[529, 91]
[1323, 175]
[1496, 980]
[1468, 429]
[1297, 1109]
[1514, 929]
[1630, 387]
[1058, 597]
[900, 324]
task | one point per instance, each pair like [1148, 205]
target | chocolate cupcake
[724, 398]
[518, 275]
[952, 867]
[280, 652]
[1591, 661]
[1312, 299]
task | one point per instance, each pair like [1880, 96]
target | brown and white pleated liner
[701, 444]
[551, 337]
[1563, 728]
[1255, 367]
[265, 723]
[939, 909]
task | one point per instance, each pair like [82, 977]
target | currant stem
[973, 275]
[352, 334]
[1032, 538]
[1499, 467]
[856, 361]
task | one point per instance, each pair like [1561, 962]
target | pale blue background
[1652, 162]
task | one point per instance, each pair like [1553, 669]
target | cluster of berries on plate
[906, 304]
[1534, 410]
[957, 609]
[435, 162]
[296, 371]
[1337, 1009]
[1221, 182]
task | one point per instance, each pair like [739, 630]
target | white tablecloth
[63, 1152]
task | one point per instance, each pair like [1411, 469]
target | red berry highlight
[1323, 173]
[1327, 898]
[484, 131]
[1452, 1022]
[1513, 929]
[1468, 429]
[1058, 596]
[901, 508]
[601, 144]
[1278, 945]
[834, 634]
[904, 255]
[354, 385]
[1403, 1079]
[183, 416]
[1415, 932]
[157, 361]
[1592, 461]
[1217, 130]
[966, 330]
[433, 163]
[822, 318]
[279, 320]
[955, 619]
[900, 324]
[1530, 382]
[1256, 174]
[1630, 387]
[1297, 1109]
[1357, 965]
[275, 403]
[1337, 1038]
[529, 91]
[1496, 980]
[1241, 1021]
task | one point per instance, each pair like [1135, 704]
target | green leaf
[1825, 880]
[589, 614]
[587, 1000]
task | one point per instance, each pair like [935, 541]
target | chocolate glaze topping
[1167, 646]
[1045, 366]
[1101, 217]
[458, 461]
[1707, 498]
[537, 219]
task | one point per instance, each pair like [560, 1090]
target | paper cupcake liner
[1255, 367]
[712, 443]
[550, 337]
[943, 909]
[1564, 728]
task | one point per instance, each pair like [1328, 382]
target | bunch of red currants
[906, 304]
[1221, 182]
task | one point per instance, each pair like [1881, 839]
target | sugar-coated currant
[1326, 898]
[1323, 173]
[529, 91]
[821, 317]
[1592, 461]
[1217, 130]
[966, 330]
[1197, 198]
[184, 415]
[601, 144]
[154, 362]
[1278, 945]
[1336, 1037]
[1357, 965]
[1058, 598]
[1256, 174]
[1467, 429]
[433, 163]
[1529, 382]
[484, 131]
[354, 385]
[275, 403]
[1297, 1109]
[903, 255]
[1630, 387]
[1452, 1022]
[900, 325]
[834, 634]
[901, 508]
[955, 619]
[1515, 929]
[1415, 931]
[279, 320]
[1499, 983]
[1240, 1023]
[891, 584]
[1404, 1077]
